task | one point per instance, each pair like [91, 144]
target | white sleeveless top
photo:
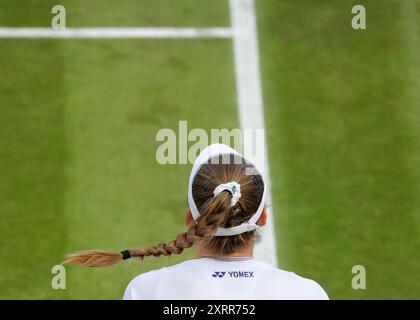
[217, 279]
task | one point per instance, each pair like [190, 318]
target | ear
[188, 217]
[263, 218]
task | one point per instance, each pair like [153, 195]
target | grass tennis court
[79, 118]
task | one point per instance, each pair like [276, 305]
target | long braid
[213, 214]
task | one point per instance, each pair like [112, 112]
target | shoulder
[297, 287]
[145, 285]
[312, 288]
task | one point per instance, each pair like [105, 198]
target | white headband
[211, 152]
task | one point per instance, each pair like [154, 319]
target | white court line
[250, 102]
[162, 32]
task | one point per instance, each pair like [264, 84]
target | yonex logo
[218, 274]
[233, 274]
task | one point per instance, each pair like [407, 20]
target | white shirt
[218, 279]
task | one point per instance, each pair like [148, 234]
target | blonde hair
[215, 212]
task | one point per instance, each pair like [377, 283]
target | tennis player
[226, 206]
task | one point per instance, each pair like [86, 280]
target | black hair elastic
[126, 254]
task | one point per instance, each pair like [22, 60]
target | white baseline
[161, 32]
[250, 102]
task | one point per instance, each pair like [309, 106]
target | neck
[242, 252]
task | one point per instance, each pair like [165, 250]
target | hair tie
[233, 187]
[126, 254]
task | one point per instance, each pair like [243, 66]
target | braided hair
[215, 212]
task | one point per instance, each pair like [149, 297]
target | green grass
[343, 116]
[79, 117]
[32, 167]
[78, 125]
[78, 166]
[118, 194]
[113, 13]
